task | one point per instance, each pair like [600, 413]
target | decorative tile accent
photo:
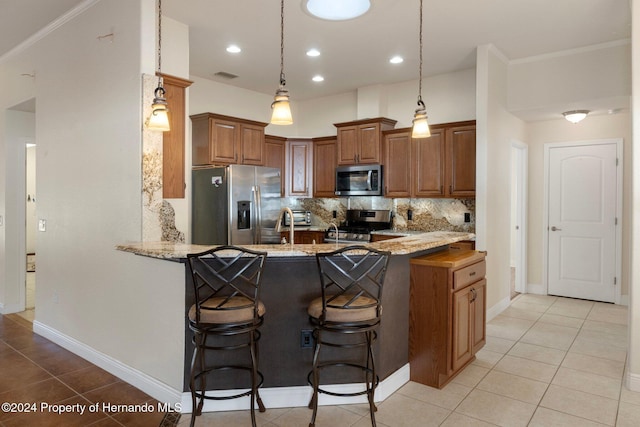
[427, 214]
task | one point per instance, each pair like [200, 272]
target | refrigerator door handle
[257, 237]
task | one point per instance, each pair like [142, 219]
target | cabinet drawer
[467, 275]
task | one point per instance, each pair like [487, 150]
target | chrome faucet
[331, 224]
[280, 221]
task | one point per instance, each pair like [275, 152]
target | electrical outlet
[335, 214]
[409, 215]
[1, 220]
[467, 217]
[306, 338]
[42, 225]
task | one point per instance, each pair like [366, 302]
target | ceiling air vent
[225, 75]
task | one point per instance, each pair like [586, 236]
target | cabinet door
[428, 165]
[461, 161]
[224, 137]
[298, 168]
[463, 325]
[347, 145]
[324, 168]
[252, 143]
[368, 144]
[479, 315]
[397, 165]
[173, 184]
[274, 156]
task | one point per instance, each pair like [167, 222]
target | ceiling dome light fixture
[159, 119]
[420, 123]
[337, 10]
[575, 116]
[396, 60]
[318, 78]
[281, 114]
[233, 49]
[313, 52]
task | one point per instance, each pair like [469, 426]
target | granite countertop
[404, 245]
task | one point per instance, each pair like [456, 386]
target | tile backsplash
[427, 214]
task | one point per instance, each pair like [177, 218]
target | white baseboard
[275, 397]
[633, 382]
[299, 396]
[154, 388]
[498, 308]
[536, 288]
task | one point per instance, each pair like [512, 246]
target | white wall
[571, 80]
[20, 127]
[31, 220]
[496, 128]
[593, 127]
[633, 359]
[88, 122]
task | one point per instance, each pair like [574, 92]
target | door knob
[554, 228]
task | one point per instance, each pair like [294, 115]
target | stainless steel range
[359, 225]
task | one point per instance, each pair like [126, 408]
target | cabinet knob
[473, 273]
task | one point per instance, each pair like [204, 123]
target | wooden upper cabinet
[360, 142]
[275, 156]
[429, 165]
[298, 170]
[461, 160]
[173, 154]
[397, 163]
[324, 166]
[442, 165]
[220, 140]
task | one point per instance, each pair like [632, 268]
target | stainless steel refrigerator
[235, 205]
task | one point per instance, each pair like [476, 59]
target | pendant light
[159, 119]
[281, 114]
[420, 124]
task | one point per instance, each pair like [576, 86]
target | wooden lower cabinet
[463, 244]
[305, 237]
[447, 314]
[380, 237]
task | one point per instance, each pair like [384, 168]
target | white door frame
[521, 213]
[545, 211]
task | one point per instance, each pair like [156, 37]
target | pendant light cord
[420, 103]
[282, 80]
[160, 44]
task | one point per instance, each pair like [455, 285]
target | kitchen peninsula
[290, 282]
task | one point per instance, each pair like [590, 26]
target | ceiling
[355, 53]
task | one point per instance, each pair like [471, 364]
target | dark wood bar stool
[228, 313]
[347, 316]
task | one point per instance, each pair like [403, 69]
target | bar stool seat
[226, 316]
[350, 305]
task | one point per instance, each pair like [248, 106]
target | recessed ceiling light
[313, 52]
[396, 59]
[233, 49]
[318, 78]
[337, 10]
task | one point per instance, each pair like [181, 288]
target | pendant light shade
[159, 118]
[281, 114]
[420, 124]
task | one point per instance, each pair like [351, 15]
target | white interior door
[582, 210]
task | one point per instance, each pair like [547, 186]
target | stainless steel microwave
[360, 180]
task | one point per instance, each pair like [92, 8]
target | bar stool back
[226, 283]
[351, 281]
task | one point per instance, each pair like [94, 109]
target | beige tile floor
[548, 361]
